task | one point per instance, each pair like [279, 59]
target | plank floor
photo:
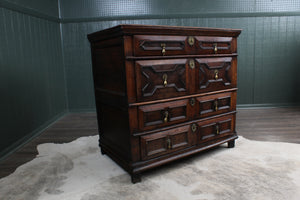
[270, 124]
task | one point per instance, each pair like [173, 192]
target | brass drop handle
[216, 74]
[166, 116]
[215, 48]
[216, 105]
[165, 77]
[169, 144]
[217, 129]
[163, 46]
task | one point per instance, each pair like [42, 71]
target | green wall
[45, 61]
[268, 46]
[32, 82]
[47, 9]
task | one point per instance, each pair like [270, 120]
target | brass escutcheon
[192, 64]
[194, 128]
[192, 101]
[191, 40]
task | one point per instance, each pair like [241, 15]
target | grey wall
[32, 80]
[268, 46]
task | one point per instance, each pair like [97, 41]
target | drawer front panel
[215, 45]
[215, 73]
[165, 142]
[216, 104]
[216, 128]
[163, 114]
[158, 79]
[155, 45]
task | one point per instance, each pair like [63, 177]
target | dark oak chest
[163, 92]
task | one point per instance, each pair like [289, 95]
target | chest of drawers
[163, 92]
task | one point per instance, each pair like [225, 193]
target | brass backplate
[192, 64]
[191, 40]
[194, 127]
[192, 101]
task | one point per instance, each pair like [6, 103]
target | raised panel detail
[214, 45]
[215, 128]
[153, 78]
[158, 79]
[214, 73]
[162, 114]
[159, 45]
[164, 142]
[216, 104]
[167, 45]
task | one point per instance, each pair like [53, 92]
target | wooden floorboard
[271, 124]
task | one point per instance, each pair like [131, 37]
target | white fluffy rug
[252, 170]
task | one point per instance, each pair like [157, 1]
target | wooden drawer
[215, 104]
[215, 45]
[154, 45]
[163, 114]
[158, 79]
[215, 128]
[165, 142]
[158, 45]
[213, 74]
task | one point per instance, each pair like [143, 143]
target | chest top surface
[132, 29]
